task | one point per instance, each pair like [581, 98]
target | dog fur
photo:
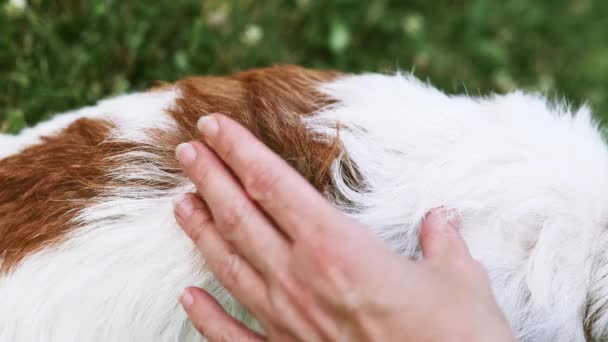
[90, 251]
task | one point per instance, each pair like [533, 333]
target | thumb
[439, 237]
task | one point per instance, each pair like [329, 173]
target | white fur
[8, 145]
[132, 114]
[528, 180]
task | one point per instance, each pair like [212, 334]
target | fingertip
[210, 318]
[179, 199]
[186, 299]
[439, 235]
[436, 221]
[185, 153]
[183, 207]
[194, 298]
[442, 219]
[208, 125]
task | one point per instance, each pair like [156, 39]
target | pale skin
[306, 271]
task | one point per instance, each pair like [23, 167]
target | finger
[236, 218]
[235, 274]
[285, 195]
[192, 215]
[440, 239]
[211, 320]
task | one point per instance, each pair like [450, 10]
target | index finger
[284, 194]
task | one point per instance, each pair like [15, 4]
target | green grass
[60, 55]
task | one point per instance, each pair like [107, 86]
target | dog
[90, 250]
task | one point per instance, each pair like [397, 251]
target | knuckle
[201, 177]
[194, 233]
[200, 227]
[321, 251]
[339, 277]
[229, 270]
[283, 284]
[277, 299]
[262, 180]
[198, 324]
[231, 218]
[352, 301]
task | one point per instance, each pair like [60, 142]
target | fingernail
[186, 299]
[208, 126]
[183, 206]
[442, 215]
[185, 153]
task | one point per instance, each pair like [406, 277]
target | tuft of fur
[527, 177]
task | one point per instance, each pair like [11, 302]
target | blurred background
[58, 55]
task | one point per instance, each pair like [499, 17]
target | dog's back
[89, 249]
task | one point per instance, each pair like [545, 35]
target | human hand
[306, 271]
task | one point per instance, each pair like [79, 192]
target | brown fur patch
[46, 185]
[270, 103]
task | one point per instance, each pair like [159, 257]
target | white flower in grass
[18, 4]
[14, 7]
[413, 24]
[252, 35]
